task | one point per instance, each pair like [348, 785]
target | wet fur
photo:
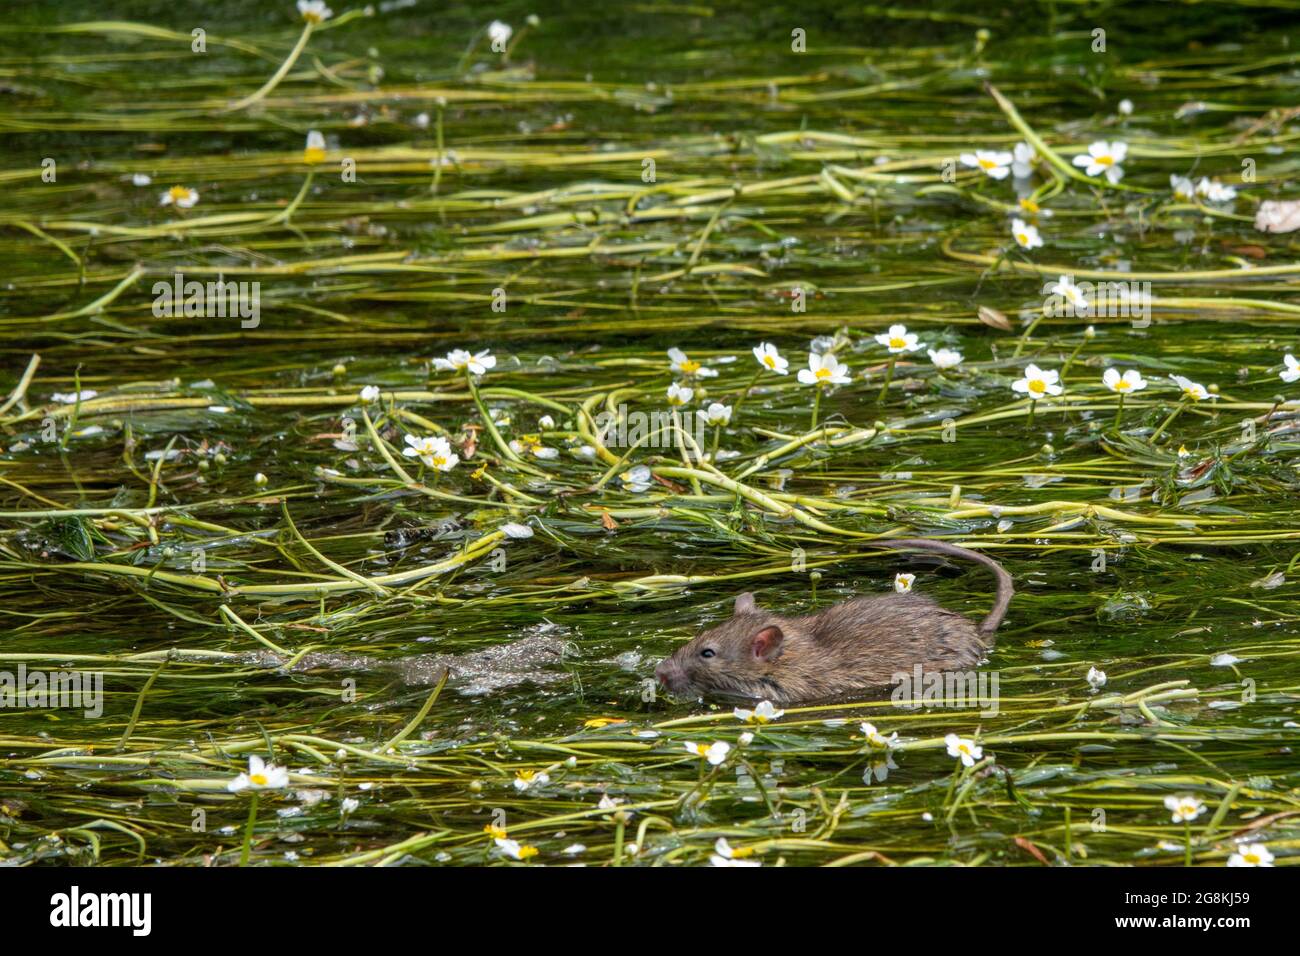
[850, 647]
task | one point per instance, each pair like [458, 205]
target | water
[1128, 557]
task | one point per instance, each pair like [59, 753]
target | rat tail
[1005, 587]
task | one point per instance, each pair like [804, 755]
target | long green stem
[279, 74]
[248, 831]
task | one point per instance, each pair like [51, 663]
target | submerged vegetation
[548, 336]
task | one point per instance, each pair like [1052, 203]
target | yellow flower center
[439, 461]
[740, 854]
[964, 749]
[1250, 857]
[495, 832]
[1028, 205]
[1105, 161]
[1122, 385]
[313, 154]
[178, 193]
[689, 367]
[312, 17]
[1037, 385]
[822, 374]
[527, 852]
[1022, 238]
[987, 164]
[769, 361]
[257, 778]
[896, 343]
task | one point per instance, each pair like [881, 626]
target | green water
[774, 171]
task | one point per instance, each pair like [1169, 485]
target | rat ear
[745, 603]
[766, 644]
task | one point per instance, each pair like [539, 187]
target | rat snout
[670, 673]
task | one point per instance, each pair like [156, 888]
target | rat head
[734, 659]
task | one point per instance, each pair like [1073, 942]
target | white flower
[607, 802]
[714, 753]
[1096, 679]
[1184, 809]
[370, 393]
[1104, 157]
[532, 445]
[180, 196]
[1193, 390]
[944, 358]
[514, 849]
[314, 151]
[1215, 191]
[499, 34]
[1125, 107]
[761, 714]
[574, 849]
[1182, 187]
[1026, 236]
[725, 855]
[684, 365]
[1037, 382]
[903, 582]
[528, 778]
[314, 11]
[767, 356]
[898, 339]
[260, 480]
[746, 739]
[824, 370]
[459, 359]
[1254, 854]
[1292, 370]
[71, 398]
[348, 806]
[995, 164]
[260, 776]
[717, 414]
[679, 394]
[435, 451]
[514, 530]
[141, 179]
[1070, 292]
[876, 739]
[1024, 159]
[636, 480]
[965, 750]
[1130, 381]
[546, 423]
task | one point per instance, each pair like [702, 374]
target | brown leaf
[608, 521]
[1251, 252]
[994, 319]
[1032, 850]
[670, 485]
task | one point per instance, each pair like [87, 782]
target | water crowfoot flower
[763, 712]
[314, 151]
[876, 739]
[527, 779]
[1184, 809]
[679, 395]
[516, 850]
[1121, 385]
[1023, 160]
[636, 480]
[1182, 188]
[314, 11]
[725, 855]
[1037, 383]
[964, 749]
[459, 359]
[369, 394]
[903, 582]
[824, 370]
[1026, 236]
[1292, 370]
[434, 451]
[717, 414]
[996, 164]
[1096, 679]
[898, 340]
[499, 34]
[1192, 390]
[1214, 191]
[769, 358]
[1253, 854]
[684, 365]
[182, 197]
[714, 753]
[944, 358]
[1103, 157]
[260, 776]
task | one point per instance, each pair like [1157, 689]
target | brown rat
[855, 645]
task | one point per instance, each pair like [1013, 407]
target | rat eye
[707, 652]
